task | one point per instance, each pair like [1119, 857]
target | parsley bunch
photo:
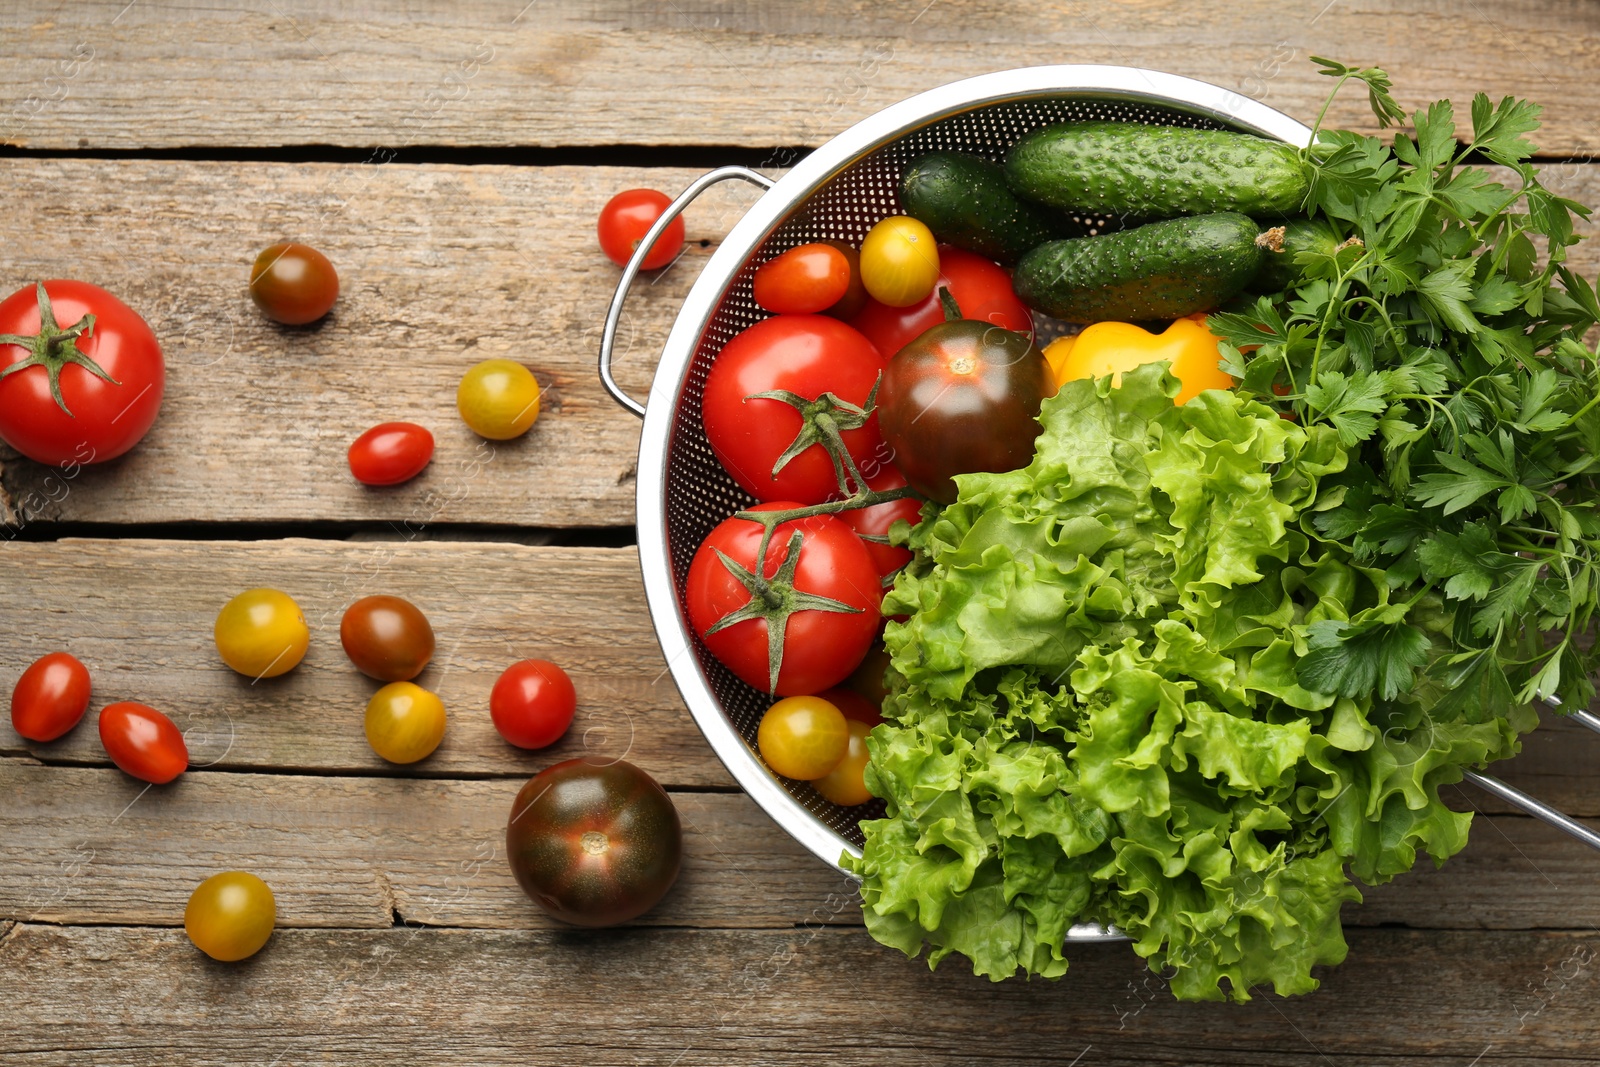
[1444, 341]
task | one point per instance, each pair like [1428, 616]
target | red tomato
[112, 376]
[50, 697]
[143, 742]
[390, 453]
[853, 705]
[876, 520]
[980, 288]
[532, 703]
[803, 280]
[627, 217]
[820, 646]
[806, 355]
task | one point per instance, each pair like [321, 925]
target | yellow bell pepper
[1113, 347]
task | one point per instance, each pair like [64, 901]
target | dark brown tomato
[594, 843]
[387, 638]
[963, 397]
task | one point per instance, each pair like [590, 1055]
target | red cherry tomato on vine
[627, 217]
[980, 288]
[293, 283]
[821, 640]
[806, 355]
[532, 703]
[875, 521]
[143, 742]
[50, 697]
[109, 369]
[390, 453]
[803, 280]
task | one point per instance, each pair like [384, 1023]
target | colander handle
[631, 271]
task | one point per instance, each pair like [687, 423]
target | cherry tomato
[143, 742]
[803, 280]
[875, 521]
[293, 283]
[820, 645]
[846, 784]
[899, 261]
[109, 369]
[50, 697]
[963, 397]
[261, 633]
[981, 289]
[806, 355]
[387, 638]
[594, 844]
[498, 399]
[852, 705]
[1109, 348]
[532, 703]
[803, 737]
[405, 722]
[390, 453]
[230, 915]
[627, 217]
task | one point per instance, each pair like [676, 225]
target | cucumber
[964, 200]
[1161, 270]
[1130, 170]
[1278, 268]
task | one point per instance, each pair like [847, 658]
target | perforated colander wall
[699, 494]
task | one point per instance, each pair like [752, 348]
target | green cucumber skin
[1278, 270]
[1162, 270]
[965, 201]
[1130, 170]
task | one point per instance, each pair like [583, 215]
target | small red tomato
[50, 697]
[980, 288]
[143, 742]
[532, 703]
[853, 705]
[293, 283]
[627, 217]
[872, 524]
[803, 280]
[391, 453]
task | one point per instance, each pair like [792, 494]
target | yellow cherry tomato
[846, 784]
[498, 399]
[899, 261]
[803, 737]
[261, 633]
[1113, 347]
[405, 722]
[230, 915]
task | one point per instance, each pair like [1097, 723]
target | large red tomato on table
[81, 374]
[801, 621]
[980, 288]
[763, 400]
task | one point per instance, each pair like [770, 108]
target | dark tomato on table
[980, 288]
[532, 703]
[50, 697]
[802, 357]
[594, 843]
[625, 220]
[390, 453]
[803, 280]
[873, 522]
[962, 397]
[293, 283]
[387, 638]
[823, 617]
[98, 352]
[143, 742]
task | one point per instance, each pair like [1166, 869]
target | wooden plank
[81, 845]
[384, 72]
[440, 267]
[126, 996]
[140, 615]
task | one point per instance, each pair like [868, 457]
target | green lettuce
[1136, 685]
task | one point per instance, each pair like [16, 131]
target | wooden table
[451, 160]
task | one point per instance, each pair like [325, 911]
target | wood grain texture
[139, 614]
[82, 845]
[440, 267]
[390, 72]
[127, 996]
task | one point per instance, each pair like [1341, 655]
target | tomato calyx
[822, 421]
[53, 348]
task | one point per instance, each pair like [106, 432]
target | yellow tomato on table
[1109, 348]
[230, 915]
[498, 399]
[405, 722]
[261, 633]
